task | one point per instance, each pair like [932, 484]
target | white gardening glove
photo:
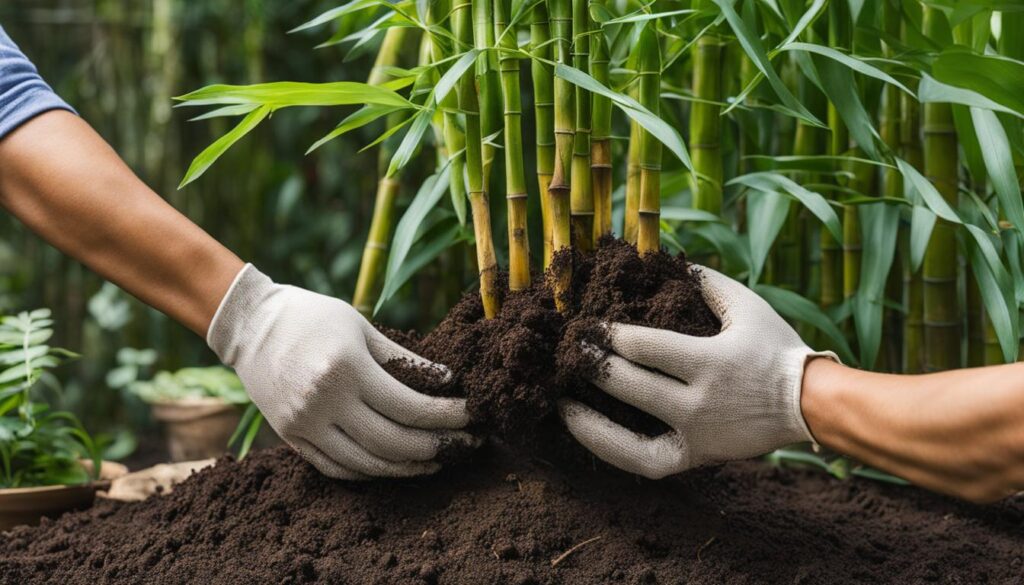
[312, 364]
[731, 396]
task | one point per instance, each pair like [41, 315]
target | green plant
[192, 383]
[38, 445]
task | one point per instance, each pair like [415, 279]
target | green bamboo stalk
[892, 186]
[913, 284]
[488, 81]
[561, 32]
[581, 195]
[632, 217]
[831, 250]
[1011, 44]
[375, 250]
[515, 177]
[601, 143]
[468, 103]
[544, 106]
[649, 70]
[941, 309]
[706, 124]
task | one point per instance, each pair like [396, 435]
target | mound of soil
[513, 368]
[508, 519]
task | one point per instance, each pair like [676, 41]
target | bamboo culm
[941, 309]
[468, 103]
[632, 216]
[581, 195]
[560, 12]
[649, 67]
[515, 178]
[601, 142]
[544, 107]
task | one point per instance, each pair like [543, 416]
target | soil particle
[513, 368]
[505, 518]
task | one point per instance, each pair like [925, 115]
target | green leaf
[841, 88]
[996, 152]
[922, 221]
[238, 110]
[688, 214]
[879, 226]
[793, 306]
[411, 141]
[358, 119]
[751, 44]
[915, 182]
[814, 202]
[932, 91]
[335, 13]
[281, 94]
[808, 17]
[997, 289]
[766, 212]
[645, 16]
[853, 62]
[220, 146]
[658, 128]
[408, 229]
[454, 74]
[998, 78]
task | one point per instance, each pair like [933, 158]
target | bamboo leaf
[998, 78]
[688, 214]
[915, 182]
[766, 213]
[996, 152]
[334, 14]
[281, 94]
[658, 128]
[226, 111]
[408, 229]
[812, 13]
[751, 44]
[997, 292]
[852, 62]
[732, 247]
[814, 202]
[645, 16]
[411, 141]
[358, 119]
[220, 146]
[428, 248]
[840, 86]
[793, 306]
[932, 91]
[454, 74]
[879, 225]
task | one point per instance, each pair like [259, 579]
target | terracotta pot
[197, 428]
[28, 505]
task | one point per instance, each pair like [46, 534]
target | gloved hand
[312, 364]
[730, 396]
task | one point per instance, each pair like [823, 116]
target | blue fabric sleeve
[23, 93]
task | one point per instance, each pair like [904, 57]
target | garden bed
[506, 517]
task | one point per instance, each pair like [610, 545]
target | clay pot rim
[110, 471]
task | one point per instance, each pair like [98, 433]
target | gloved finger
[404, 405]
[343, 449]
[389, 440]
[724, 296]
[674, 353]
[653, 458]
[656, 394]
[322, 462]
[384, 349]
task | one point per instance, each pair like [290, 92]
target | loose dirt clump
[504, 518]
[513, 368]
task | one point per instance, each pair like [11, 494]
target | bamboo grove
[857, 163]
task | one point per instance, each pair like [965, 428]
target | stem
[831, 259]
[706, 124]
[561, 26]
[892, 186]
[1011, 44]
[913, 284]
[543, 105]
[486, 263]
[632, 218]
[515, 179]
[581, 194]
[941, 311]
[375, 250]
[488, 81]
[601, 144]
[649, 66]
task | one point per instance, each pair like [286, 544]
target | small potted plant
[200, 409]
[48, 462]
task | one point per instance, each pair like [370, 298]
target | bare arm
[958, 432]
[66, 184]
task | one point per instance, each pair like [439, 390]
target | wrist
[822, 395]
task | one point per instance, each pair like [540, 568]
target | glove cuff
[796, 362]
[231, 323]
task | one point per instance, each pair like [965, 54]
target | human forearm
[957, 432]
[66, 184]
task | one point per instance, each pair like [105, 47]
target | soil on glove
[513, 368]
[510, 519]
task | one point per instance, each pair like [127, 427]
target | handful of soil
[512, 369]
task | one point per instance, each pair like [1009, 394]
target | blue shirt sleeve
[23, 93]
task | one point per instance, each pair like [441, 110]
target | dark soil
[513, 368]
[503, 519]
